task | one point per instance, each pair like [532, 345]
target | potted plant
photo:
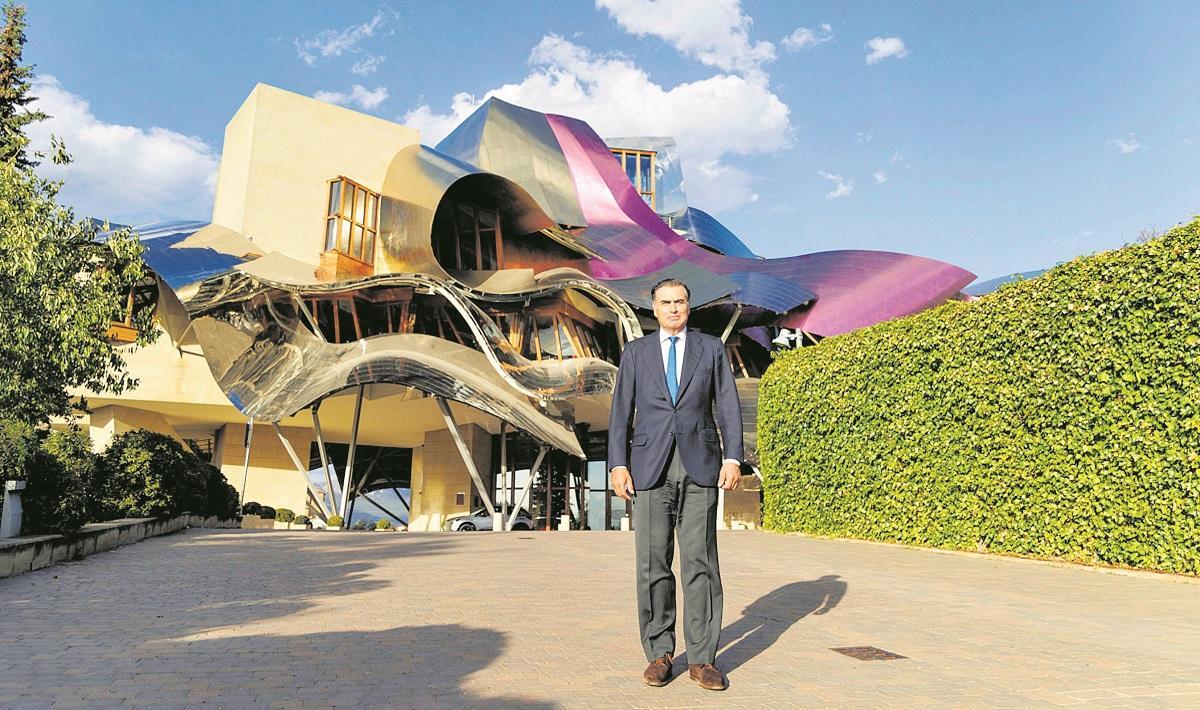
[302, 521]
[383, 524]
[284, 518]
[334, 523]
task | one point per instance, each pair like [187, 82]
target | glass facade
[351, 220]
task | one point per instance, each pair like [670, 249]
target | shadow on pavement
[765, 620]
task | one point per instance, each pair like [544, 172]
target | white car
[482, 520]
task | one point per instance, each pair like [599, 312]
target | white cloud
[803, 37]
[359, 96]
[123, 173]
[711, 119]
[884, 47]
[897, 158]
[840, 188]
[864, 136]
[1126, 146]
[715, 32]
[880, 176]
[367, 65]
[334, 43]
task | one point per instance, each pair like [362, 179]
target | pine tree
[14, 90]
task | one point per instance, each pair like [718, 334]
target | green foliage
[1056, 418]
[17, 444]
[252, 508]
[146, 474]
[335, 521]
[60, 476]
[14, 90]
[284, 515]
[59, 289]
[301, 520]
[383, 524]
[267, 512]
[359, 525]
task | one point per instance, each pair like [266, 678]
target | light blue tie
[672, 378]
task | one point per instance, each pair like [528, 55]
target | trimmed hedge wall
[1058, 417]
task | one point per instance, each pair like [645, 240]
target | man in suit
[665, 456]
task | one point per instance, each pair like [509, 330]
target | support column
[466, 455]
[346, 477]
[291, 452]
[533, 470]
[246, 463]
[324, 456]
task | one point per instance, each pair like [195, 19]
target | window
[352, 220]
[474, 242]
[141, 296]
[639, 166]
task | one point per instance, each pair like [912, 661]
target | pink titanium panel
[854, 288]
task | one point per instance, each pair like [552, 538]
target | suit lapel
[691, 358]
[653, 352]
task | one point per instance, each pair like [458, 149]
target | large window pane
[343, 236]
[631, 168]
[467, 252]
[356, 237]
[335, 196]
[330, 233]
[360, 206]
[645, 173]
[371, 206]
[487, 246]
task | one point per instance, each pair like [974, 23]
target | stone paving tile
[209, 619]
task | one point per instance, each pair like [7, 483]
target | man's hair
[670, 282]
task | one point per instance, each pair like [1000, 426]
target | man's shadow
[765, 620]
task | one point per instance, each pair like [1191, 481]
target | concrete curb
[19, 555]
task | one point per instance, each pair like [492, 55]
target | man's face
[671, 308]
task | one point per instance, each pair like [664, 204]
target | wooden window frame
[476, 233]
[622, 154]
[347, 210]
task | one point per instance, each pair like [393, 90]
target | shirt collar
[662, 335]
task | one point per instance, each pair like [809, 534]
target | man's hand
[731, 474]
[622, 483]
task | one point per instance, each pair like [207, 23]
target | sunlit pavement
[309, 619]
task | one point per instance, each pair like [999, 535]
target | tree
[14, 90]
[61, 284]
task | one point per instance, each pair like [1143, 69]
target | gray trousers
[678, 506]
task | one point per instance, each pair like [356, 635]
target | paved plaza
[211, 618]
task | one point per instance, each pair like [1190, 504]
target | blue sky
[1002, 138]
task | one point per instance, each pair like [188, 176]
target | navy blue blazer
[643, 424]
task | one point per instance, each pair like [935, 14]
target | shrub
[17, 444]
[1054, 418]
[383, 524]
[251, 508]
[60, 476]
[335, 521]
[146, 474]
[283, 515]
[267, 512]
[359, 525]
[301, 520]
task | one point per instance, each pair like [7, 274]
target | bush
[359, 525]
[301, 520]
[1055, 418]
[146, 474]
[17, 444]
[60, 477]
[251, 508]
[267, 513]
[383, 524]
[335, 521]
[283, 515]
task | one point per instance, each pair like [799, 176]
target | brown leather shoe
[658, 673]
[710, 678]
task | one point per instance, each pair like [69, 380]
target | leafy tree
[14, 90]
[60, 284]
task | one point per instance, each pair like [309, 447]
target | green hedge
[146, 474]
[1058, 417]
